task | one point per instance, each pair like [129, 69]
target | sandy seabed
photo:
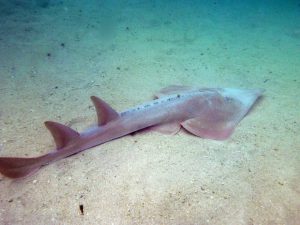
[54, 58]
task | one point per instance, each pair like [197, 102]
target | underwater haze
[55, 54]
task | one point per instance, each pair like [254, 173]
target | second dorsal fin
[105, 113]
[62, 134]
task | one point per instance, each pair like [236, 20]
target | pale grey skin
[209, 113]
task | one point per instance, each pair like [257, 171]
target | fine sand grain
[52, 59]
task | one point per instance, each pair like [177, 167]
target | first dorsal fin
[105, 113]
[62, 134]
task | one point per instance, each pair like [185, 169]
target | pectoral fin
[167, 128]
[222, 113]
[218, 130]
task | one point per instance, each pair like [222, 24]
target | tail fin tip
[18, 167]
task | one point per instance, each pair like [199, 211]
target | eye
[228, 99]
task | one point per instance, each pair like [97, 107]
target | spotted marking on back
[170, 98]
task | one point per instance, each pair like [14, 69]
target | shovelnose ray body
[205, 112]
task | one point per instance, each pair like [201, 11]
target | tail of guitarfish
[15, 167]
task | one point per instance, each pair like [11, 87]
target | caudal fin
[19, 167]
[63, 136]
